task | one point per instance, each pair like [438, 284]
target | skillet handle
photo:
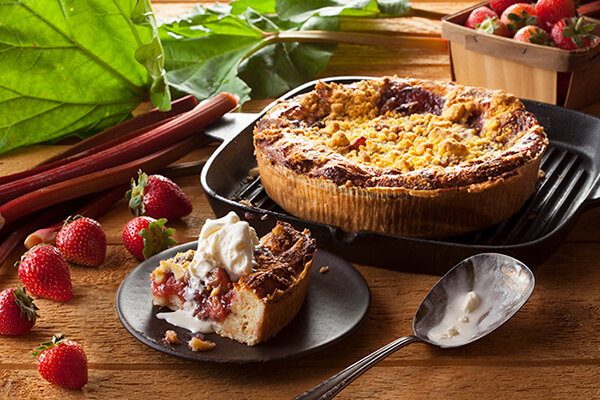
[229, 125]
[593, 198]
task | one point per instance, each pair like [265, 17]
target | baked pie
[406, 157]
[234, 284]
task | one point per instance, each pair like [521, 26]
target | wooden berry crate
[529, 71]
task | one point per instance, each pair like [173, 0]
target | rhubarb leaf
[239, 43]
[75, 67]
[276, 69]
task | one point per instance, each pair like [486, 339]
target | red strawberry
[500, 5]
[45, 272]
[82, 241]
[493, 26]
[145, 236]
[158, 197]
[533, 34]
[478, 15]
[17, 312]
[573, 34]
[519, 15]
[551, 11]
[62, 362]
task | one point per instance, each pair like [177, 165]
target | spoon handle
[332, 386]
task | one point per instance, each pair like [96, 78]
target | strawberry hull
[529, 71]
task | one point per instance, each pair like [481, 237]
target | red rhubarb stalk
[68, 160]
[95, 181]
[178, 128]
[94, 209]
[136, 123]
[33, 222]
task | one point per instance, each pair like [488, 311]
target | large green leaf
[203, 50]
[277, 69]
[75, 67]
[240, 44]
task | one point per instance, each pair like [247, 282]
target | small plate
[336, 304]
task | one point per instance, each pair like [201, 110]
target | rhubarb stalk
[357, 38]
[95, 181]
[48, 216]
[94, 209]
[136, 123]
[82, 154]
[176, 129]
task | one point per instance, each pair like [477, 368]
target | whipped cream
[226, 242]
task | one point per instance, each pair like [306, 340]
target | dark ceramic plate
[336, 304]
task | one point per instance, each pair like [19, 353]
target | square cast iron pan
[570, 187]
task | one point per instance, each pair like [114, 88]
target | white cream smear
[186, 320]
[226, 242]
[461, 319]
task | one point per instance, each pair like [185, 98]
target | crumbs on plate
[171, 337]
[199, 344]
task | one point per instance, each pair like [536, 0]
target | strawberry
[146, 236]
[82, 241]
[158, 197]
[533, 34]
[551, 11]
[493, 26]
[500, 5]
[478, 15]
[62, 362]
[17, 312]
[45, 272]
[519, 15]
[573, 34]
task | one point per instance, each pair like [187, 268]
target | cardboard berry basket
[529, 71]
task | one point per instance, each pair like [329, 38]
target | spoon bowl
[471, 300]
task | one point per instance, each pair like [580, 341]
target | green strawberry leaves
[156, 238]
[135, 195]
[25, 302]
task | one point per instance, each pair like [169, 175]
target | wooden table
[550, 349]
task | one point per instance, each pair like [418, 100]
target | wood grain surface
[549, 350]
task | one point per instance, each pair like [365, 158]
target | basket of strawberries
[545, 51]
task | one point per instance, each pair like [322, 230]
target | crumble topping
[400, 132]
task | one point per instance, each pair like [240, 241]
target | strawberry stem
[25, 302]
[56, 339]
[156, 238]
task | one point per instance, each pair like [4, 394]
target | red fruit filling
[213, 303]
[170, 287]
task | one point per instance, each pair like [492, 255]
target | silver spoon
[451, 315]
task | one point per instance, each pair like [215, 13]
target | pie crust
[406, 157]
[258, 305]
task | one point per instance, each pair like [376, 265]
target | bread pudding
[406, 157]
[246, 292]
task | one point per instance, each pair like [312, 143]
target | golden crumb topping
[399, 132]
[356, 130]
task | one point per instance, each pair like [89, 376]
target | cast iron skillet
[570, 187]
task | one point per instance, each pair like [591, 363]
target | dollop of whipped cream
[226, 242]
